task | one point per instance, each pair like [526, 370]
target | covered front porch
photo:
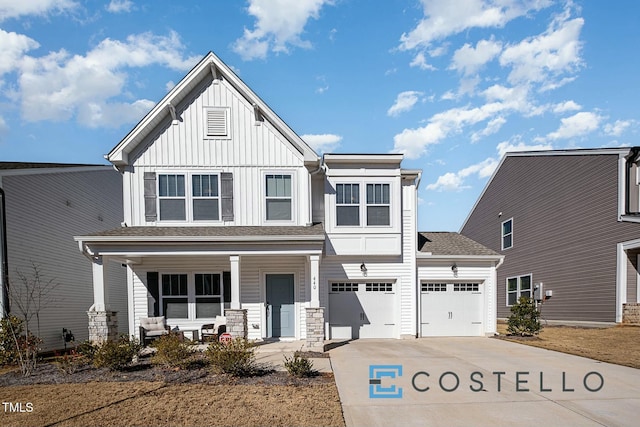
[264, 282]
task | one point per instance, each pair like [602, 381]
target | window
[434, 287]
[344, 287]
[379, 287]
[518, 287]
[466, 287]
[378, 204]
[171, 195]
[348, 204]
[278, 197]
[208, 295]
[174, 296]
[206, 198]
[507, 234]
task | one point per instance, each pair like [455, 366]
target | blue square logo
[387, 391]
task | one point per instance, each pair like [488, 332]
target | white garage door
[362, 310]
[452, 309]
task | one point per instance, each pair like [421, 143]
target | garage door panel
[451, 309]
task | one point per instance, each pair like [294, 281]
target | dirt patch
[147, 395]
[618, 344]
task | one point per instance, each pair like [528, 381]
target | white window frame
[359, 204]
[219, 295]
[519, 291]
[194, 198]
[191, 297]
[188, 196]
[292, 197]
[393, 205]
[374, 204]
[503, 234]
[176, 197]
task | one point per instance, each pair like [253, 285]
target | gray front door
[280, 306]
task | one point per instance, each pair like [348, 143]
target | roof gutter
[429, 255]
[184, 239]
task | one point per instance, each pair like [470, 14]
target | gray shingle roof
[315, 230]
[31, 165]
[449, 243]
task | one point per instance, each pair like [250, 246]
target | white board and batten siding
[249, 151]
[478, 306]
[253, 271]
[43, 212]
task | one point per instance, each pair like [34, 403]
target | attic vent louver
[217, 122]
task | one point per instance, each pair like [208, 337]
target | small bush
[172, 351]
[299, 366]
[87, 349]
[10, 328]
[70, 362]
[116, 355]
[524, 319]
[236, 358]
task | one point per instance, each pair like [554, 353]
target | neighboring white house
[43, 206]
[228, 210]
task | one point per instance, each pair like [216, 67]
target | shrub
[87, 349]
[172, 351]
[70, 362]
[299, 366]
[116, 355]
[17, 346]
[524, 319]
[236, 357]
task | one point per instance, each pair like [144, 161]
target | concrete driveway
[479, 381]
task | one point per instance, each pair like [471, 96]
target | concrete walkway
[479, 381]
[274, 352]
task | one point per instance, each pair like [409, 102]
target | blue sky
[452, 84]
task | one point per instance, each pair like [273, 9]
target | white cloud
[545, 58]
[322, 143]
[448, 182]
[169, 85]
[59, 86]
[509, 147]
[404, 102]
[279, 25]
[13, 47]
[420, 61]
[563, 107]
[468, 60]
[16, 8]
[577, 125]
[492, 127]
[119, 6]
[617, 128]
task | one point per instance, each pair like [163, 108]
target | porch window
[172, 198]
[206, 198]
[208, 295]
[174, 296]
[348, 204]
[518, 287]
[278, 197]
[378, 205]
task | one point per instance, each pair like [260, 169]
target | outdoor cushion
[151, 324]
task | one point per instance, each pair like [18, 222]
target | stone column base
[315, 329]
[237, 323]
[631, 313]
[103, 326]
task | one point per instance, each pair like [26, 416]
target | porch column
[314, 270]
[103, 323]
[235, 281]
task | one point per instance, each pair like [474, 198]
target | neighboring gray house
[43, 206]
[568, 219]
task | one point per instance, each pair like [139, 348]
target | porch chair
[152, 328]
[213, 330]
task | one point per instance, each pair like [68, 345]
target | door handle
[451, 315]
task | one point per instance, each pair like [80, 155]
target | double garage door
[451, 309]
[362, 310]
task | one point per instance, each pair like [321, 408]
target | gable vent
[217, 122]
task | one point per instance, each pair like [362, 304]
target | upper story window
[378, 205]
[203, 196]
[518, 287]
[172, 198]
[278, 201]
[348, 204]
[507, 234]
[206, 198]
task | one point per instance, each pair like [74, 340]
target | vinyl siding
[565, 230]
[252, 290]
[408, 294]
[44, 213]
[249, 152]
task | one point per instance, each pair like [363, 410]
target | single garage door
[362, 310]
[452, 309]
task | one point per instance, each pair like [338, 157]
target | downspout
[4, 268]
[630, 159]
[321, 168]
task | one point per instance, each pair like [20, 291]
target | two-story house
[567, 219]
[228, 210]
